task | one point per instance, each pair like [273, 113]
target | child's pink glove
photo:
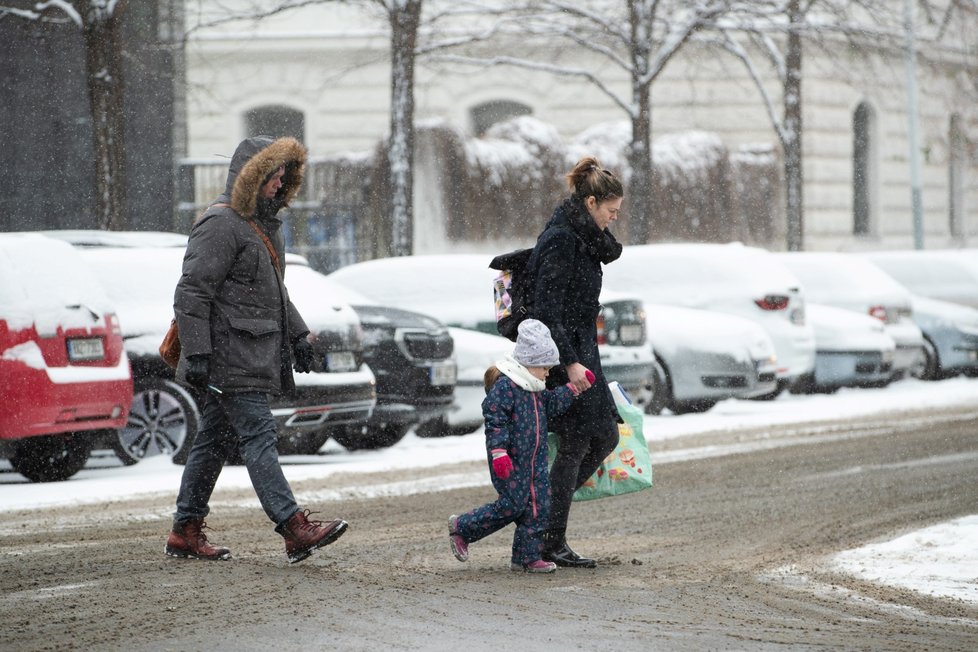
[590, 378]
[502, 466]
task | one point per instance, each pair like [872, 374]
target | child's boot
[538, 566]
[459, 547]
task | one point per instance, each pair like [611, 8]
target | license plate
[442, 374]
[630, 333]
[341, 361]
[81, 350]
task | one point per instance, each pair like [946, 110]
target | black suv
[411, 356]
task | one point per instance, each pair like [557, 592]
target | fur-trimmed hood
[254, 160]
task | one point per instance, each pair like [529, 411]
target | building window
[275, 121]
[957, 156]
[487, 114]
[863, 169]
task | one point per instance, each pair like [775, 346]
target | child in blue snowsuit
[516, 409]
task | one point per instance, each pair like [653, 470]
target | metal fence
[323, 232]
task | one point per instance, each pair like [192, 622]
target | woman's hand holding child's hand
[588, 375]
[502, 465]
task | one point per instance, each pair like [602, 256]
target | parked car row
[456, 289]
[382, 370]
[403, 342]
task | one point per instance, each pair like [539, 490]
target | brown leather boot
[302, 536]
[188, 540]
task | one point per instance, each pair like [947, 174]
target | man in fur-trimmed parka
[239, 333]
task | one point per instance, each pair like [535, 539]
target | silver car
[853, 283]
[946, 274]
[730, 278]
[950, 338]
[851, 350]
[707, 357]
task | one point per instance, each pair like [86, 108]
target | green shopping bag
[629, 467]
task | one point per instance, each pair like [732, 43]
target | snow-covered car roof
[689, 274]
[336, 291]
[140, 239]
[833, 278]
[949, 274]
[41, 278]
[140, 281]
[673, 327]
[454, 288]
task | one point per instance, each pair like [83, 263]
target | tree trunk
[792, 140]
[404, 17]
[639, 192]
[640, 199]
[103, 59]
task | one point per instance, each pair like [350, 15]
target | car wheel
[691, 407]
[302, 443]
[927, 367]
[661, 394]
[163, 420]
[804, 384]
[52, 457]
[372, 438]
[770, 396]
[441, 428]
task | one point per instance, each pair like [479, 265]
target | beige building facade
[325, 69]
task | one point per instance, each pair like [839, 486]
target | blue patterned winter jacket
[516, 420]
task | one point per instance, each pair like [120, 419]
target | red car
[65, 382]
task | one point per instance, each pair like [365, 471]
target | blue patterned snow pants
[524, 499]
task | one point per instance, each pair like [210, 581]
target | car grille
[425, 345]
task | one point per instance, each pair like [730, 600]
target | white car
[475, 352]
[853, 283]
[457, 290]
[851, 350]
[707, 357]
[728, 278]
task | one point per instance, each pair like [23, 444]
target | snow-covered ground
[941, 560]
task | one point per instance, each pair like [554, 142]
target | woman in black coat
[566, 263]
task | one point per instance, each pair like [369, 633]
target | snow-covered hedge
[488, 193]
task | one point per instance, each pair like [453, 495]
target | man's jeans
[227, 421]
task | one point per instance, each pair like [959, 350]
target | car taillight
[113, 323]
[879, 312]
[602, 334]
[773, 302]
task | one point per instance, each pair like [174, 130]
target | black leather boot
[555, 549]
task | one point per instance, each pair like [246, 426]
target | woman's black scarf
[600, 245]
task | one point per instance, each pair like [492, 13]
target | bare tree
[639, 37]
[769, 37]
[100, 24]
[404, 17]
[414, 33]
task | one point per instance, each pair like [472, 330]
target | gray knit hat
[534, 346]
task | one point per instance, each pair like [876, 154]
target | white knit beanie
[534, 346]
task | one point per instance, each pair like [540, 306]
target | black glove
[199, 370]
[304, 356]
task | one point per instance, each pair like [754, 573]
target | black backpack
[513, 290]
